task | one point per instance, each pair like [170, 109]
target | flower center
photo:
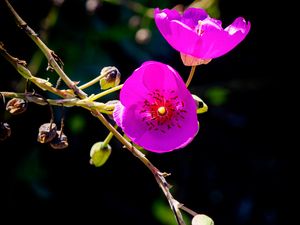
[162, 110]
[199, 30]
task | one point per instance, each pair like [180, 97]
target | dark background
[236, 170]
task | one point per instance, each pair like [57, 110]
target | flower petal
[176, 137]
[191, 16]
[150, 76]
[134, 117]
[118, 114]
[196, 34]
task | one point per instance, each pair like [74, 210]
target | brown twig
[20, 66]
[53, 59]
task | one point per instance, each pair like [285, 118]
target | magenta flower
[156, 110]
[197, 36]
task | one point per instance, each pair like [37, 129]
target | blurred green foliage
[217, 96]
[76, 123]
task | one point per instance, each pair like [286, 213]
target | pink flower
[156, 110]
[198, 37]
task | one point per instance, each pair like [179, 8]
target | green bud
[202, 219]
[112, 77]
[16, 106]
[99, 154]
[201, 106]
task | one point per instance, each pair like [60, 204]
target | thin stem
[20, 66]
[107, 139]
[90, 83]
[51, 113]
[48, 22]
[50, 55]
[192, 72]
[62, 121]
[68, 102]
[189, 211]
[3, 98]
[116, 88]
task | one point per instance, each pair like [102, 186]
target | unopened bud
[16, 106]
[111, 79]
[47, 132]
[99, 154]
[201, 106]
[5, 131]
[202, 219]
[60, 141]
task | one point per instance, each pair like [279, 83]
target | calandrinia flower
[156, 110]
[198, 37]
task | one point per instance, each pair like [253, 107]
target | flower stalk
[104, 93]
[94, 81]
[191, 75]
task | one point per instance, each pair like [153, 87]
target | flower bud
[202, 219]
[201, 106]
[47, 133]
[111, 77]
[16, 106]
[5, 131]
[60, 141]
[99, 154]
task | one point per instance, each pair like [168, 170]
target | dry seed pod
[16, 106]
[5, 131]
[47, 133]
[60, 141]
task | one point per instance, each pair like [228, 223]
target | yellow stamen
[162, 110]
